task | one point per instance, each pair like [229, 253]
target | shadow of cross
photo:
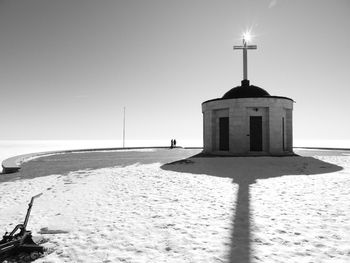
[244, 172]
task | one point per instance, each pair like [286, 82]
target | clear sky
[68, 67]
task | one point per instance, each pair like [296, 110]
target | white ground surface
[291, 209]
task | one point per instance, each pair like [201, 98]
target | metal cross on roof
[245, 47]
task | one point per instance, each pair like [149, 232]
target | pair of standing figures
[173, 143]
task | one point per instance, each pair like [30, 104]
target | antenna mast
[124, 129]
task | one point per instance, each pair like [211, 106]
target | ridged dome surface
[245, 91]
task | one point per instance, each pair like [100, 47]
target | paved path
[74, 161]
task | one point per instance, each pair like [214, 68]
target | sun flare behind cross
[247, 36]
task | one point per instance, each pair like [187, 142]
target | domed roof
[245, 91]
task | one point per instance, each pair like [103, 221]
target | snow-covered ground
[134, 207]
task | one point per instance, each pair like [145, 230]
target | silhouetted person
[174, 143]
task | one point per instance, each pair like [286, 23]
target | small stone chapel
[247, 120]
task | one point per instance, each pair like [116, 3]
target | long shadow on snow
[244, 171]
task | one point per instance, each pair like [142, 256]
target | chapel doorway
[224, 134]
[256, 143]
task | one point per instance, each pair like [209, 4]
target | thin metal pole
[124, 129]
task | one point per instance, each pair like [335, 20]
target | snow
[243, 209]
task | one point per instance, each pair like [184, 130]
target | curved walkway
[13, 164]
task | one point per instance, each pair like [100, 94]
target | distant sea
[9, 148]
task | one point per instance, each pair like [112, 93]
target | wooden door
[256, 143]
[224, 134]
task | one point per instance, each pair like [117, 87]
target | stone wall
[276, 114]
